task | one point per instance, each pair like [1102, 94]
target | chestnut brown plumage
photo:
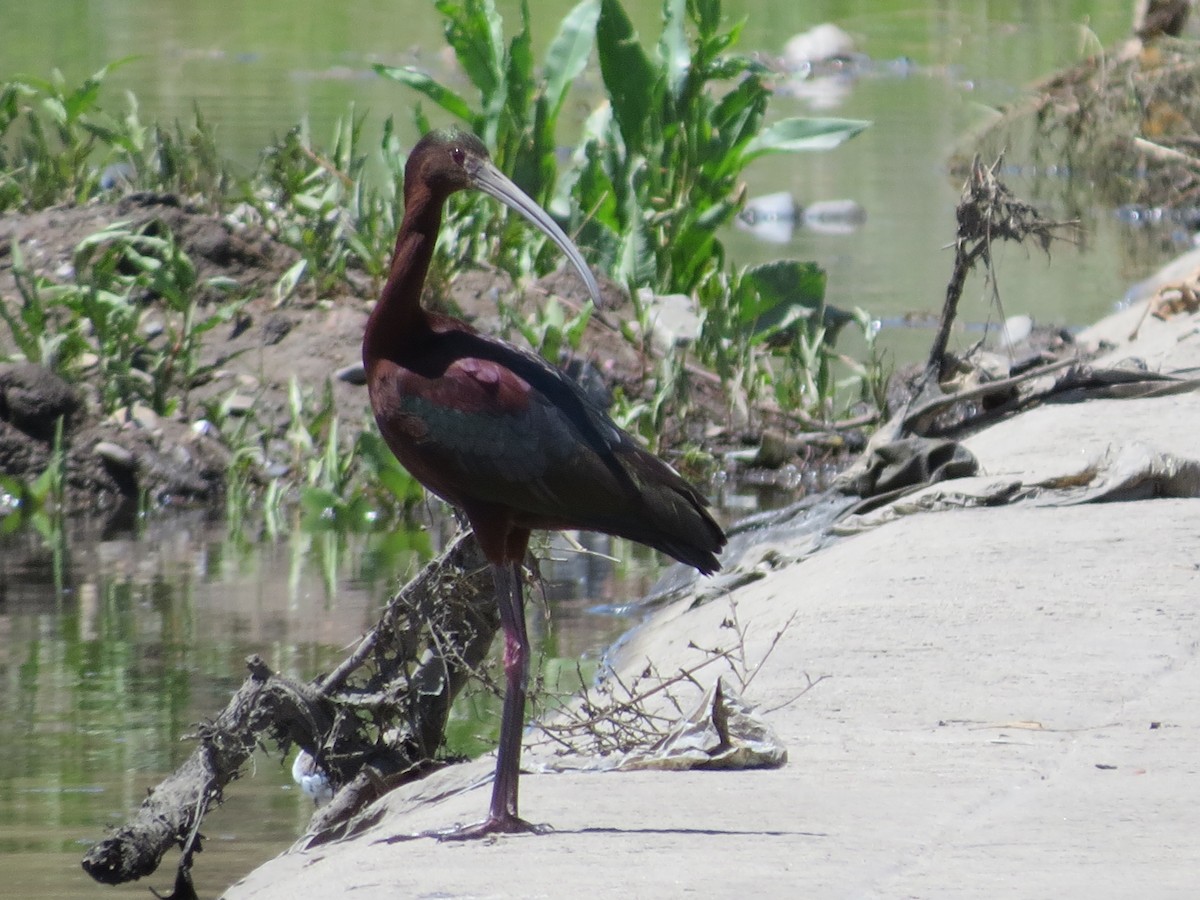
[504, 436]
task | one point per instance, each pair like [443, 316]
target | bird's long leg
[502, 815]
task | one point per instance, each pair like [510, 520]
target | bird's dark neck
[398, 314]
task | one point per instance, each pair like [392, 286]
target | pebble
[352, 374]
[145, 417]
[114, 453]
[239, 405]
[139, 414]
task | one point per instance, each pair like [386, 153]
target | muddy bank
[248, 364]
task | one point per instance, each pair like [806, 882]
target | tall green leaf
[568, 52]
[438, 93]
[476, 32]
[790, 135]
[629, 77]
[673, 48]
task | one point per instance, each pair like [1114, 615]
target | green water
[112, 647]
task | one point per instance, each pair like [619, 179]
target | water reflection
[113, 647]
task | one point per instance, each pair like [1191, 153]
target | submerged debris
[1125, 119]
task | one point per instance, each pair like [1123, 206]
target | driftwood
[375, 721]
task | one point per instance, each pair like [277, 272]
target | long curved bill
[491, 180]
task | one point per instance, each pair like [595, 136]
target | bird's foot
[490, 826]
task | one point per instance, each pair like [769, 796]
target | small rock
[773, 451]
[673, 319]
[1015, 330]
[239, 405]
[819, 44]
[115, 454]
[275, 329]
[145, 417]
[277, 470]
[352, 374]
[33, 399]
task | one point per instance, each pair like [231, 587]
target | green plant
[118, 270]
[655, 176]
[647, 417]
[657, 173]
[547, 329]
[58, 144]
[38, 502]
[52, 157]
[134, 305]
[322, 204]
[868, 376]
[516, 115]
[342, 488]
[32, 324]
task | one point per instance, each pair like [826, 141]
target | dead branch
[172, 810]
[375, 721]
[615, 717]
[987, 211]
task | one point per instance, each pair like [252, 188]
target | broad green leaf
[736, 120]
[637, 261]
[781, 286]
[791, 135]
[568, 52]
[628, 75]
[476, 32]
[438, 93]
[708, 15]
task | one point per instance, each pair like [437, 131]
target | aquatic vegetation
[517, 115]
[100, 324]
[323, 204]
[58, 144]
[653, 176]
[355, 487]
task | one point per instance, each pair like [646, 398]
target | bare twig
[986, 212]
[616, 717]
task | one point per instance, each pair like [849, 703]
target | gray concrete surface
[1012, 708]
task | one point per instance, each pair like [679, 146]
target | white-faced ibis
[504, 436]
